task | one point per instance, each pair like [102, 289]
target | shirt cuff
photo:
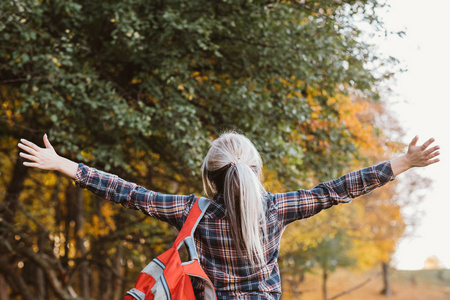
[81, 176]
[384, 172]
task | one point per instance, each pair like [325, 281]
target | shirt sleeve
[306, 203]
[169, 208]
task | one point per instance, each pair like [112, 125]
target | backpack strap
[186, 234]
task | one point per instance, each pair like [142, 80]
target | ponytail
[232, 167]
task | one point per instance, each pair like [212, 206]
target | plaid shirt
[231, 274]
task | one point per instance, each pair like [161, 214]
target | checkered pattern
[231, 274]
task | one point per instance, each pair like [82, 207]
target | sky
[421, 102]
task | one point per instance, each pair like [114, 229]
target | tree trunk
[387, 291]
[3, 288]
[69, 223]
[125, 285]
[13, 191]
[59, 216]
[79, 225]
[41, 283]
[117, 281]
[100, 257]
[105, 279]
[324, 284]
[8, 211]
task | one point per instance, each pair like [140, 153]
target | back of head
[233, 167]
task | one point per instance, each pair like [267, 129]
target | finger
[433, 161]
[47, 142]
[414, 141]
[29, 157]
[427, 143]
[30, 164]
[433, 154]
[431, 150]
[30, 144]
[27, 149]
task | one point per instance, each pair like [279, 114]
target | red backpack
[166, 277]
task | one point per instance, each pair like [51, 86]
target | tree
[133, 67]
[375, 222]
[140, 89]
[331, 253]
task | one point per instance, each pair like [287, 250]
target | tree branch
[15, 280]
[43, 261]
[356, 286]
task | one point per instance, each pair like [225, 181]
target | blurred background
[140, 88]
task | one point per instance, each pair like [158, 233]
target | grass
[406, 285]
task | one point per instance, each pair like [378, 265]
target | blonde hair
[233, 167]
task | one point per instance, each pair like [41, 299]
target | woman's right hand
[46, 158]
[417, 156]
[41, 158]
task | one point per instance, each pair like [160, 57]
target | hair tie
[235, 162]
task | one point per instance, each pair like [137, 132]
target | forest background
[140, 88]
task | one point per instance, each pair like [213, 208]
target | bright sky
[422, 104]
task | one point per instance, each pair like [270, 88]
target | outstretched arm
[46, 158]
[417, 156]
[306, 203]
[168, 208]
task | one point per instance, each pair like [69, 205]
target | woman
[238, 239]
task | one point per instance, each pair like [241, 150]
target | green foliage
[334, 252]
[164, 77]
